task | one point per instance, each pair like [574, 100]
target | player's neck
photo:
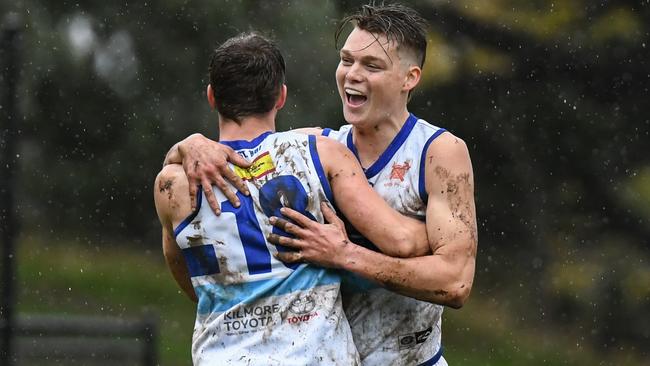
[247, 129]
[372, 139]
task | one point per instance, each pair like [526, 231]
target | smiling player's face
[371, 79]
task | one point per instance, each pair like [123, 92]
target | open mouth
[354, 97]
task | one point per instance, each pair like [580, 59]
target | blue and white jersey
[388, 328]
[253, 309]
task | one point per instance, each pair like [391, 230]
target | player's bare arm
[172, 206]
[444, 277]
[206, 164]
[394, 234]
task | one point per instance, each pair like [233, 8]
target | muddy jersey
[388, 328]
[253, 309]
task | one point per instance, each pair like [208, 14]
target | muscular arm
[172, 204]
[309, 130]
[444, 277]
[393, 233]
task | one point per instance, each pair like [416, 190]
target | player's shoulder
[308, 130]
[170, 179]
[286, 136]
[339, 134]
[332, 153]
[448, 143]
[448, 151]
[427, 127]
[171, 194]
[327, 145]
[172, 171]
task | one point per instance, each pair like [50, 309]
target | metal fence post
[150, 356]
[9, 49]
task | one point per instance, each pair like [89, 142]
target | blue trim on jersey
[353, 148]
[433, 360]
[243, 144]
[217, 298]
[390, 151]
[184, 223]
[319, 168]
[326, 131]
[421, 188]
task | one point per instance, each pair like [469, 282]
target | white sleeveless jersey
[253, 309]
[388, 328]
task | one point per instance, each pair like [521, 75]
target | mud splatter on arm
[451, 213]
[446, 276]
[393, 233]
[172, 204]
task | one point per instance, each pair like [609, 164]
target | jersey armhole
[188, 219]
[319, 168]
[423, 159]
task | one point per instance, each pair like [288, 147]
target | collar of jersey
[392, 148]
[244, 144]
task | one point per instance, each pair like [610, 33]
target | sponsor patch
[303, 308]
[302, 305]
[250, 319]
[261, 166]
[412, 339]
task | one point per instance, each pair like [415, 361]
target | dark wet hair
[246, 73]
[397, 22]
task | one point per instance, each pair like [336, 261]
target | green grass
[128, 282]
[486, 332]
[69, 278]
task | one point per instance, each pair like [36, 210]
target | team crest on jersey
[398, 173]
[261, 166]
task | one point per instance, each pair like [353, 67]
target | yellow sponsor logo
[261, 166]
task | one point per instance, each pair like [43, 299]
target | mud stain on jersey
[194, 240]
[226, 274]
[412, 203]
[405, 328]
[256, 200]
[281, 147]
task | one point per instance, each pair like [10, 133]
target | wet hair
[246, 73]
[399, 23]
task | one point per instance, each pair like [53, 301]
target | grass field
[119, 281]
[131, 282]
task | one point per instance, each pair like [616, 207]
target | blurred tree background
[548, 95]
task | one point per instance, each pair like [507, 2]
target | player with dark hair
[253, 309]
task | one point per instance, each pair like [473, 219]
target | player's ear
[210, 94]
[412, 78]
[282, 97]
